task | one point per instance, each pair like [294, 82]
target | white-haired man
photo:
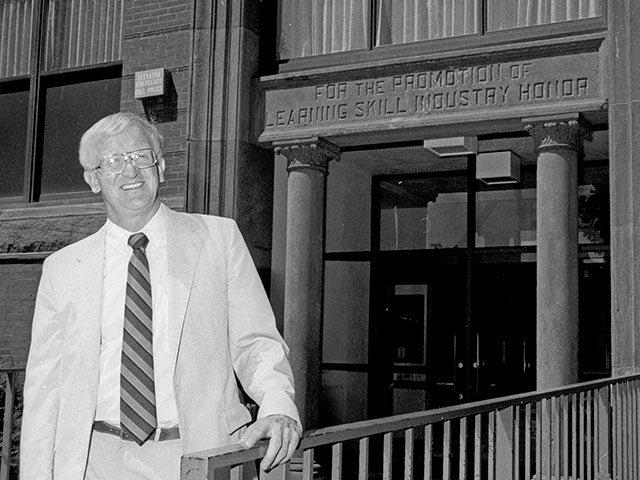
[141, 329]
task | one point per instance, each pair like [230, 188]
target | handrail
[10, 375]
[324, 436]
[562, 431]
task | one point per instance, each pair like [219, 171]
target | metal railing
[587, 431]
[9, 378]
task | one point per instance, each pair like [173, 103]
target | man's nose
[130, 169]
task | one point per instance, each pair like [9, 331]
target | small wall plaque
[149, 83]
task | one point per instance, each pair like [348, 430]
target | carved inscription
[451, 90]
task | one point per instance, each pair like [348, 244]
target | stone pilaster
[307, 164]
[623, 57]
[228, 173]
[559, 143]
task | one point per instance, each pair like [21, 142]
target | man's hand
[283, 433]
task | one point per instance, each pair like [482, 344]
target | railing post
[504, 444]
[279, 473]
[9, 395]
[194, 468]
[604, 433]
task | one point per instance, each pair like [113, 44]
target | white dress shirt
[116, 260]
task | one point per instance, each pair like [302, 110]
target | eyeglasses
[115, 163]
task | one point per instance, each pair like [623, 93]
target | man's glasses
[115, 163]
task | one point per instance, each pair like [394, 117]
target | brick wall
[157, 33]
[18, 288]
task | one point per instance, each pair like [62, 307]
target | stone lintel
[566, 132]
[309, 153]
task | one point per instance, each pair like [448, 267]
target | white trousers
[111, 458]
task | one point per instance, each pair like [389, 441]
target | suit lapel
[87, 282]
[184, 243]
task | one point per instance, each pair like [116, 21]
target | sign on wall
[426, 94]
[149, 83]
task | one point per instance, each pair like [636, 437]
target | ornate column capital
[311, 153]
[559, 131]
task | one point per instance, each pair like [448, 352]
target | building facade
[440, 194]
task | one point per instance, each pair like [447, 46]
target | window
[321, 27]
[417, 20]
[59, 73]
[506, 14]
[423, 213]
[71, 104]
[14, 100]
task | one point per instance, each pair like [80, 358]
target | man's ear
[92, 180]
[161, 169]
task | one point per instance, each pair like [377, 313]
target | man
[141, 329]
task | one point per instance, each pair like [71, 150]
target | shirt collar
[155, 230]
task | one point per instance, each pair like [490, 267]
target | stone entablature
[456, 90]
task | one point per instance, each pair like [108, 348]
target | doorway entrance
[451, 334]
[430, 280]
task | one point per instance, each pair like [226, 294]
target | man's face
[133, 193]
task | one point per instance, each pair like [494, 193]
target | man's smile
[130, 186]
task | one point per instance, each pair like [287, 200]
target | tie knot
[138, 241]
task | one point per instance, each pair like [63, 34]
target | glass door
[423, 331]
[503, 303]
[419, 294]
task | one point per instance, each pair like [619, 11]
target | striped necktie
[137, 390]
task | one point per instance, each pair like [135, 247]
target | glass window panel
[14, 105]
[348, 208]
[417, 20]
[322, 26]
[345, 329]
[595, 316]
[16, 22]
[425, 213]
[343, 397]
[82, 33]
[593, 206]
[506, 14]
[69, 111]
[408, 400]
[506, 216]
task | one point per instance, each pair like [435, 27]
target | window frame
[38, 79]
[483, 38]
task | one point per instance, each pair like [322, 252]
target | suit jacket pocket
[236, 418]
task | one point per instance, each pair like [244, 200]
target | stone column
[307, 164]
[559, 141]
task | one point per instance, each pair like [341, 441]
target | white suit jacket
[220, 323]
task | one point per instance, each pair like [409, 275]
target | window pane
[16, 21]
[506, 216]
[83, 33]
[593, 206]
[423, 213]
[343, 397]
[505, 14]
[321, 27]
[346, 312]
[13, 138]
[416, 20]
[69, 111]
[348, 207]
